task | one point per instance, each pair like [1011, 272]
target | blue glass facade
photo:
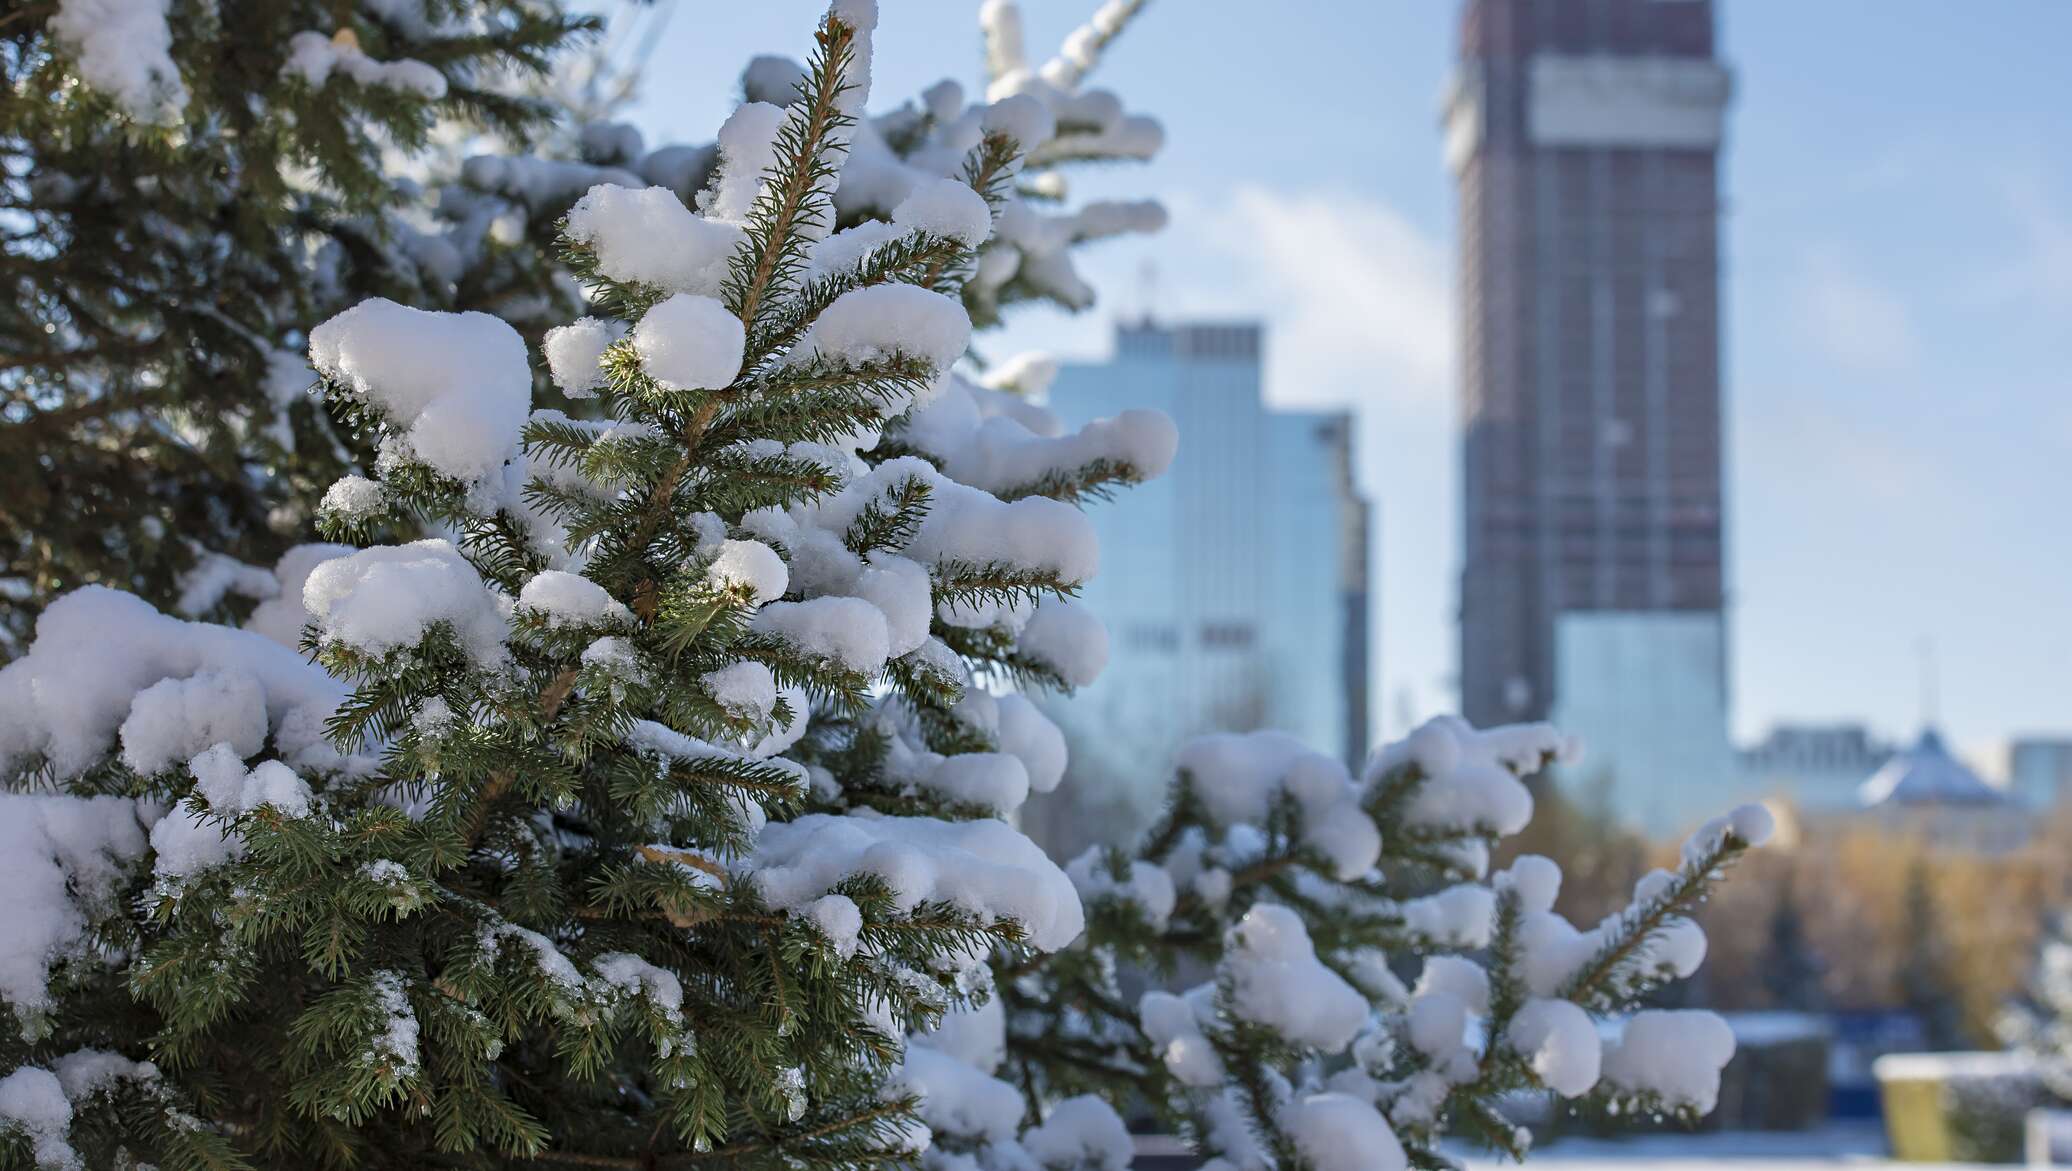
[1234, 588]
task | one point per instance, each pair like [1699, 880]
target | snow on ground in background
[1853, 1145]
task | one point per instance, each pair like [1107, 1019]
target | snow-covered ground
[1850, 1145]
[1854, 1146]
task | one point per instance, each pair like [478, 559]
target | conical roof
[1926, 774]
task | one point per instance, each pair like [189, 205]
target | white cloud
[1357, 296]
[1850, 465]
[2039, 273]
[1853, 321]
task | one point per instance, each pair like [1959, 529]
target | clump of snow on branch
[388, 598]
[575, 353]
[984, 866]
[1004, 443]
[648, 237]
[562, 599]
[454, 386]
[282, 616]
[1277, 982]
[68, 697]
[316, 58]
[1672, 1058]
[690, 343]
[1237, 776]
[1339, 1132]
[884, 321]
[124, 49]
[62, 859]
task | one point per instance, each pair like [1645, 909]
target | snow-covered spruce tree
[188, 186]
[2039, 1022]
[525, 866]
[1367, 986]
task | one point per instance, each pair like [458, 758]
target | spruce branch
[799, 192]
[907, 259]
[1610, 970]
[1095, 480]
[890, 520]
[967, 583]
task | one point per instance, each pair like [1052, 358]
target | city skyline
[1898, 241]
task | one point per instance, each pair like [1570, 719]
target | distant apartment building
[2039, 769]
[1234, 588]
[1817, 767]
[1840, 776]
[1584, 139]
[1927, 793]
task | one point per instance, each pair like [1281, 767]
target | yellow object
[1916, 1124]
[1924, 1093]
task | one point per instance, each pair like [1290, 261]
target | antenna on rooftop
[1147, 289]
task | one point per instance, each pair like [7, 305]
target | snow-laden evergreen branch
[1356, 918]
[529, 859]
[189, 187]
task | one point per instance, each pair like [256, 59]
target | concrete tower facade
[1584, 136]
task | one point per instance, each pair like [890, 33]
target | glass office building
[1645, 691]
[1234, 588]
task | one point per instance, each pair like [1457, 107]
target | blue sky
[1899, 252]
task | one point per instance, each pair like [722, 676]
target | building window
[1226, 635]
[1155, 638]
